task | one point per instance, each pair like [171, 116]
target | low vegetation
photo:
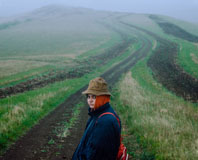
[24, 110]
[162, 123]
[62, 58]
[20, 112]
[63, 131]
[174, 30]
[188, 57]
[8, 25]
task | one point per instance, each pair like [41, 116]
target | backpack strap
[110, 114]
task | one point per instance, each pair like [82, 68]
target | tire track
[83, 67]
[31, 144]
[167, 71]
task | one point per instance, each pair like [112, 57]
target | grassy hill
[52, 30]
[39, 39]
[51, 53]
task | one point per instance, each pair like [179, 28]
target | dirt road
[37, 144]
[167, 71]
[41, 142]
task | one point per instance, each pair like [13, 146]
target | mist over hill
[52, 29]
[49, 55]
[184, 10]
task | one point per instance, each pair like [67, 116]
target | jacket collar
[99, 110]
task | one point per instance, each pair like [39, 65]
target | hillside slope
[48, 56]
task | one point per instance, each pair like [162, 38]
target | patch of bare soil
[37, 143]
[172, 29]
[167, 72]
[170, 74]
[84, 66]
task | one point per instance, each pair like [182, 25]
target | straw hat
[97, 86]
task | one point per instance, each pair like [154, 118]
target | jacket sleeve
[104, 140]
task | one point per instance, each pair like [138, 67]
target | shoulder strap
[110, 114]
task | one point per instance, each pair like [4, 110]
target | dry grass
[19, 68]
[47, 58]
[196, 45]
[17, 114]
[154, 45]
[194, 58]
[166, 123]
[10, 67]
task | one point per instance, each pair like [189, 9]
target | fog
[182, 9]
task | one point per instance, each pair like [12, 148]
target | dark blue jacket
[101, 139]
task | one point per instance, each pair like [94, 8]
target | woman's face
[91, 100]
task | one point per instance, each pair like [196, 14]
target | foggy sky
[182, 9]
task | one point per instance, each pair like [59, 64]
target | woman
[101, 138]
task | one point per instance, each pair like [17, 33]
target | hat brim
[97, 93]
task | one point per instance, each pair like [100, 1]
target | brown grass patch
[154, 45]
[164, 120]
[10, 67]
[194, 58]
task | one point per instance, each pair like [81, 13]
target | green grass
[49, 35]
[28, 67]
[143, 21]
[68, 125]
[157, 124]
[115, 38]
[191, 27]
[22, 111]
[163, 125]
[23, 76]
[8, 25]
[18, 75]
[29, 52]
[188, 57]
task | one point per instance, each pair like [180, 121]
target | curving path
[167, 71]
[35, 144]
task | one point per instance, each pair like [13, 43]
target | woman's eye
[91, 96]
